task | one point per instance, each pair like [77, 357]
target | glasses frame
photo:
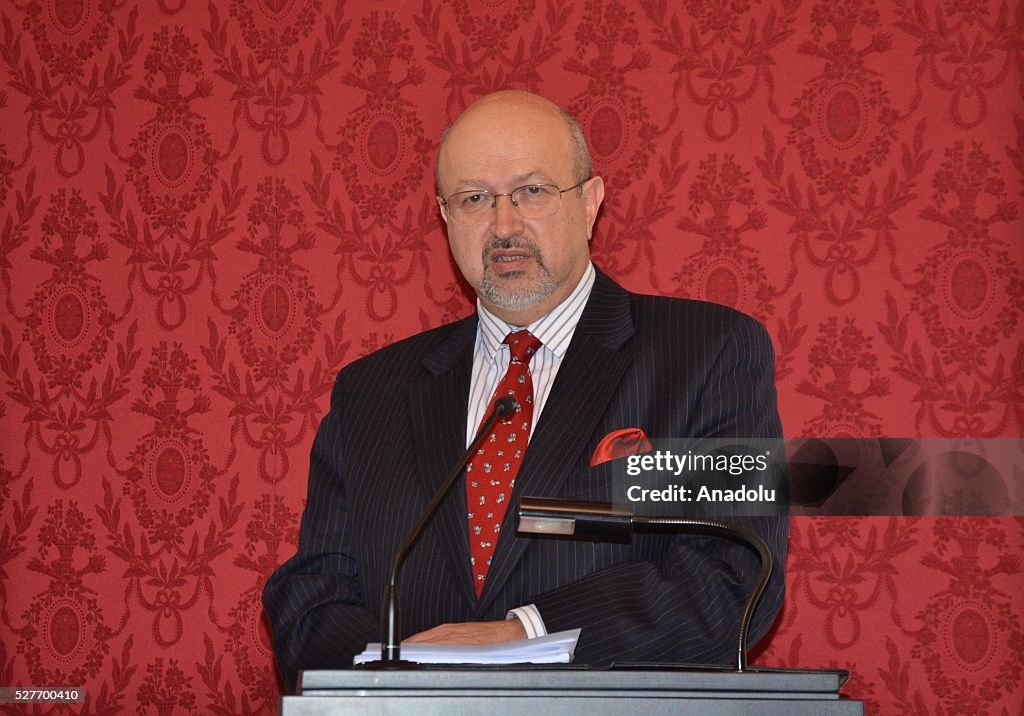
[494, 198]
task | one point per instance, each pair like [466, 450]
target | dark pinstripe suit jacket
[397, 424]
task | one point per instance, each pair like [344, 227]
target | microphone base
[396, 665]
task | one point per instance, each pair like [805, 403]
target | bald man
[585, 358]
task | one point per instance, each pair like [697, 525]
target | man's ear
[593, 195]
[441, 206]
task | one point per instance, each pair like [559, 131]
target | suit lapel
[591, 369]
[438, 416]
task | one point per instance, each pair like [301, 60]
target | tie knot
[522, 345]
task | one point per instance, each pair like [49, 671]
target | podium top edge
[623, 676]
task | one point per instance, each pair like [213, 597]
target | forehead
[505, 142]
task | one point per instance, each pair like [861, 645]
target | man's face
[520, 268]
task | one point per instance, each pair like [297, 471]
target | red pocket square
[620, 443]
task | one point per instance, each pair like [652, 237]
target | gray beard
[493, 289]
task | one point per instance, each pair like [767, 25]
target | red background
[210, 208]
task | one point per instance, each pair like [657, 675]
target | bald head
[521, 262]
[518, 103]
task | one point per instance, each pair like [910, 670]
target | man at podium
[590, 365]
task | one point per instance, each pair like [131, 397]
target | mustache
[511, 242]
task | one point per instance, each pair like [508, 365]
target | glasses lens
[470, 206]
[537, 200]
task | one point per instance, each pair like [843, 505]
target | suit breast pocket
[593, 484]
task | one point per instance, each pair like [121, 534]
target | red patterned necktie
[491, 473]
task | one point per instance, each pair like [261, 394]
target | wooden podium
[563, 691]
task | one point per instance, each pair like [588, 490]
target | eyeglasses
[533, 201]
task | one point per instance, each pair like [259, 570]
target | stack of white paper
[555, 648]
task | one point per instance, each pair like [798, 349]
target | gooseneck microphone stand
[390, 644]
[597, 521]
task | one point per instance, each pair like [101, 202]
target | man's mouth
[509, 259]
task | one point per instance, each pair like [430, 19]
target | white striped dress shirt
[491, 357]
[490, 362]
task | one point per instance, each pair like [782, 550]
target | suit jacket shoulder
[411, 358]
[664, 318]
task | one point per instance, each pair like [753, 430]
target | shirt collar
[554, 330]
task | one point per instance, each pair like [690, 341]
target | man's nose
[507, 221]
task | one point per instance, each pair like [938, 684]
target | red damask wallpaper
[209, 207]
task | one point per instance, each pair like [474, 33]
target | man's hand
[471, 633]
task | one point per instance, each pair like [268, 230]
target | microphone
[390, 645]
[598, 521]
